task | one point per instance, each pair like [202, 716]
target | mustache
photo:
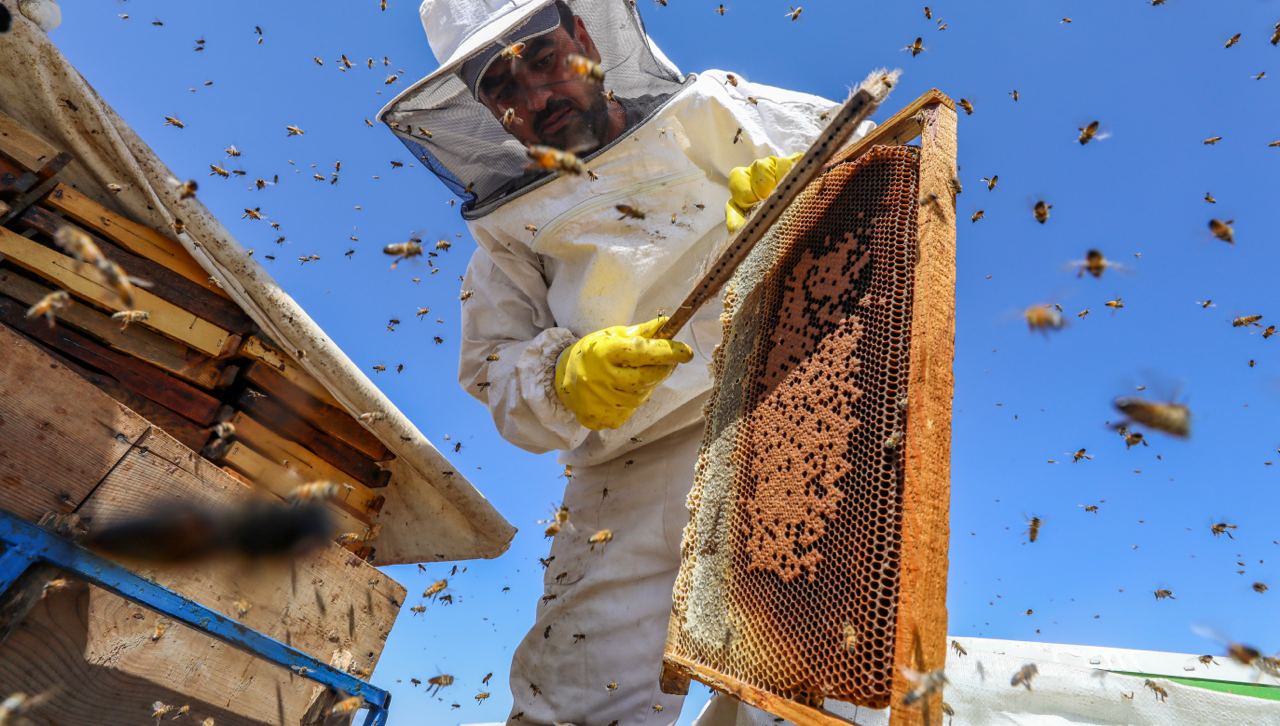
[551, 109]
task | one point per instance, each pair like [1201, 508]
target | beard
[582, 131]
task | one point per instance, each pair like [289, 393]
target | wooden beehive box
[103, 421]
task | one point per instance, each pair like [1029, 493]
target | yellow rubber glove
[749, 185]
[604, 377]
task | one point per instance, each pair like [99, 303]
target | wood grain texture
[137, 238]
[163, 282]
[795, 713]
[138, 376]
[260, 350]
[920, 642]
[281, 480]
[291, 454]
[327, 602]
[333, 420]
[288, 424]
[167, 318]
[899, 128]
[139, 342]
[49, 414]
[24, 147]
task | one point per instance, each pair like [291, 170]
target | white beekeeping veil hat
[510, 75]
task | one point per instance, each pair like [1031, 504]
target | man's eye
[544, 61]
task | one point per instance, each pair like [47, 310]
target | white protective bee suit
[556, 261]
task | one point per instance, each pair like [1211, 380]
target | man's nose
[536, 97]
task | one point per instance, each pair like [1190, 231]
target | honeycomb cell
[789, 580]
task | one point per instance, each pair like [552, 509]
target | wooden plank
[920, 642]
[258, 349]
[290, 453]
[46, 416]
[795, 713]
[166, 317]
[137, 238]
[175, 424]
[45, 654]
[898, 129]
[138, 342]
[275, 416]
[163, 282]
[333, 420]
[280, 479]
[24, 147]
[138, 376]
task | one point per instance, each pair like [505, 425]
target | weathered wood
[281, 480]
[13, 178]
[260, 350]
[334, 420]
[136, 375]
[175, 424]
[275, 416]
[138, 342]
[291, 454]
[795, 713]
[23, 595]
[162, 282]
[45, 654]
[327, 602]
[39, 424]
[137, 238]
[166, 317]
[24, 147]
[920, 642]
[898, 129]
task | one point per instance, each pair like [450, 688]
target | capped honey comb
[791, 569]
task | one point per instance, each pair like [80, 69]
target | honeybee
[629, 211]
[552, 159]
[1080, 454]
[1161, 693]
[49, 305]
[1041, 211]
[732, 79]
[509, 117]
[403, 250]
[174, 121]
[992, 181]
[162, 626]
[958, 649]
[604, 536]
[130, 316]
[1115, 304]
[1209, 198]
[1094, 263]
[379, 368]
[1232, 40]
[1132, 438]
[928, 13]
[1033, 528]
[1024, 675]
[720, 9]
[794, 13]
[966, 105]
[512, 52]
[1260, 587]
[318, 491]
[1222, 230]
[849, 636]
[435, 683]
[390, 79]
[1090, 508]
[1275, 35]
[1164, 594]
[1212, 140]
[978, 215]
[372, 416]
[1087, 132]
[346, 706]
[1245, 321]
[1269, 331]
[1171, 418]
[160, 709]
[418, 609]
[78, 244]
[584, 67]
[1014, 95]
[293, 131]
[611, 686]
[924, 684]
[1219, 528]
[120, 283]
[560, 519]
[1044, 318]
[435, 588]
[916, 47]
[254, 214]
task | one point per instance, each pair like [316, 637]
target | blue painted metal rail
[25, 545]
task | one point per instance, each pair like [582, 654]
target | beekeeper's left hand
[749, 185]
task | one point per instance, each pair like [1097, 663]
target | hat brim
[474, 43]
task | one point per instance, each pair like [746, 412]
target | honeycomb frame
[814, 563]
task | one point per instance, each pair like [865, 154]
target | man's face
[553, 105]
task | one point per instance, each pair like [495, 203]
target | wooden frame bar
[166, 317]
[280, 479]
[258, 349]
[308, 463]
[319, 414]
[921, 622]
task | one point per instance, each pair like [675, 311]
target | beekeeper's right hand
[604, 377]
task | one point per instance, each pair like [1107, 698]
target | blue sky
[1157, 78]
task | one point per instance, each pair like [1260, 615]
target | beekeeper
[570, 277]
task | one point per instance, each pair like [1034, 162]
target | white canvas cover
[432, 511]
